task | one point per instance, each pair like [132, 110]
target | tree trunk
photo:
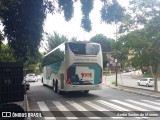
[155, 76]
[155, 83]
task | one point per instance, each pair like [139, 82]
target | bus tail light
[68, 81]
[101, 76]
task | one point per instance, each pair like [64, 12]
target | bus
[73, 66]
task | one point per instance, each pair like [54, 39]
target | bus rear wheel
[54, 86]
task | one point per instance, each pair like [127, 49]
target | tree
[54, 40]
[139, 14]
[23, 26]
[6, 54]
[145, 45]
[106, 45]
[143, 14]
[23, 20]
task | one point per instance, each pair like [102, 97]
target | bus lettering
[86, 75]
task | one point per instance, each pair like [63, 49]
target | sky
[57, 23]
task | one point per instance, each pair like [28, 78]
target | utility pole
[116, 56]
[116, 70]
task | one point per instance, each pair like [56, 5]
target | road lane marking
[71, 118]
[77, 106]
[117, 117]
[43, 107]
[94, 118]
[81, 108]
[49, 118]
[112, 105]
[130, 105]
[144, 104]
[95, 106]
[62, 108]
[151, 102]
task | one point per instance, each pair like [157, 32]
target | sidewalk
[139, 91]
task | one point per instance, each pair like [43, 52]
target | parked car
[31, 77]
[146, 82]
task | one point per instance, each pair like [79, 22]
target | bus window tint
[56, 56]
[84, 48]
[92, 49]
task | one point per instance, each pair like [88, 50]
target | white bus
[73, 66]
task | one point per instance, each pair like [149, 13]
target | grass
[147, 75]
[113, 82]
[108, 73]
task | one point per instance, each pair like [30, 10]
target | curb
[27, 107]
[131, 91]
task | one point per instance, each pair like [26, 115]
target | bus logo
[86, 75]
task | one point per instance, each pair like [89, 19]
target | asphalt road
[103, 104]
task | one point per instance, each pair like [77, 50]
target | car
[146, 82]
[31, 77]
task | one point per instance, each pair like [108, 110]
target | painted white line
[117, 117]
[130, 105]
[95, 106]
[60, 106]
[63, 108]
[49, 118]
[94, 118]
[151, 102]
[144, 104]
[112, 105]
[43, 107]
[77, 106]
[71, 118]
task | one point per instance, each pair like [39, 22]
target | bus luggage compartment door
[85, 75]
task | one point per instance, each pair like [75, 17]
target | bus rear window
[84, 48]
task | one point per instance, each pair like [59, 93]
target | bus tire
[42, 80]
[56, 86]
[86, 91]
[53, 85]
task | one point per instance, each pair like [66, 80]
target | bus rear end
[84, 66]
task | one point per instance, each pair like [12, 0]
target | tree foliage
[23, 20]
[111, 12]
[54, 40]
[139, 14]
[23, 26]
[87, 6]
[67, 7]
[144, 44]
[6, 54]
